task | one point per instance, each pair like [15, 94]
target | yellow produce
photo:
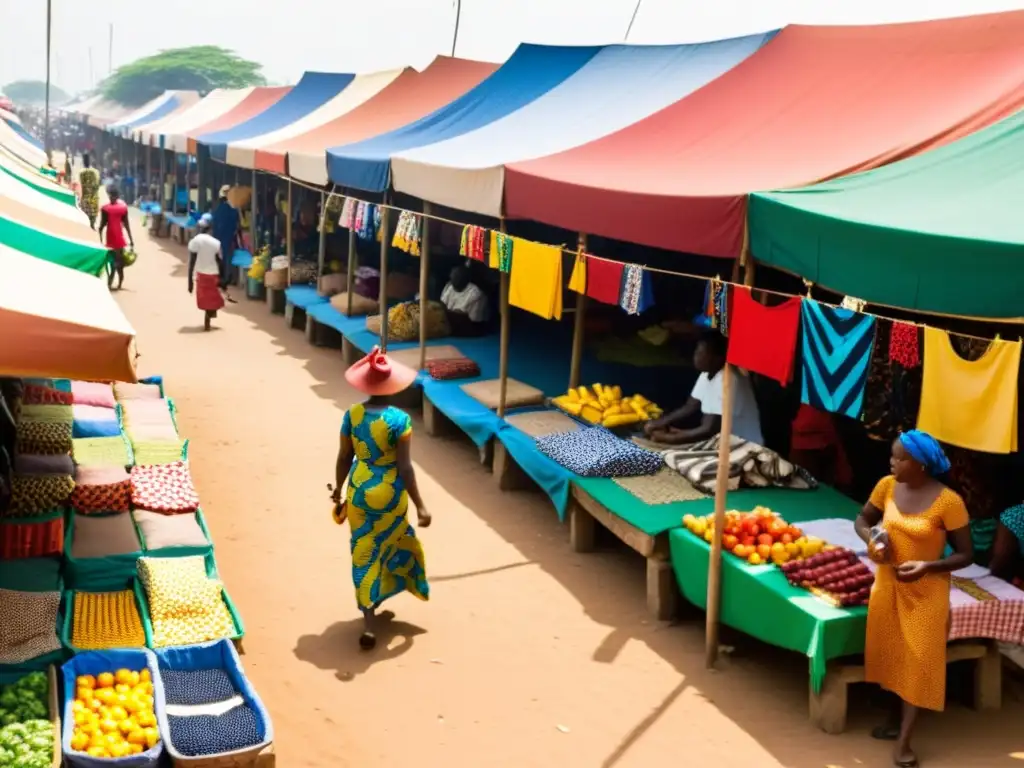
[126, 727]
[187, 607]
[604, 404]
[106, 620]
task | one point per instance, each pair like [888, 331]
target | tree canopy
[33, 92]
[199, 68]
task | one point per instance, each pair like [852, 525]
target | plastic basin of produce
[52, 706]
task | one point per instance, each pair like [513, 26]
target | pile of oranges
[759, 536]
[114, 714]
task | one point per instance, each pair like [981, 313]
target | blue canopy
[532, 71]
[19, 129]
[313, 91]
[156, 109]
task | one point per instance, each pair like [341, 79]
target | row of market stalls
[864, 166]
[108, 575]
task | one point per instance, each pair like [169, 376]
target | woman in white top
[204, 270]
[465, 303]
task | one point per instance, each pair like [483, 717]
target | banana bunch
[605, 405]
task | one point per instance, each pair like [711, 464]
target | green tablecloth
[795, 506]
[758, 601]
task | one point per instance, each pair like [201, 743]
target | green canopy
[36, 181]
[939, 232]
[74, 254]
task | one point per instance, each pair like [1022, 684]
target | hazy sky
[288, 36]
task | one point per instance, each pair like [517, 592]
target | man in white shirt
[204, 271]
[706, 399]
[467, 307]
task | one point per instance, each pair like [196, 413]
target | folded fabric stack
[101, 489]
[123, 391]
[107, 536]
[101, 452]
[596, 452]
[41, 480]
[185, 605]
[750, 466]
[44, 429]
[164, 488]
[28, 625]
[159, 531]
[94, 410]
[102, 620]
[150, 427]
[453, 368]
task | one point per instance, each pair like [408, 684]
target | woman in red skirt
[204, 265]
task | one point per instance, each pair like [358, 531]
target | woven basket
[664, 487]
[276, 279]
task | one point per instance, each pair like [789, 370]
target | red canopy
[407, 98]
[814, 103]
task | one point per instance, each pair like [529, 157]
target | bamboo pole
[321, 252]
[350, 277]
[576, 361]
[288, 244]
[424, 280]
[174, 189]
[162, 182]
[714, 601]
[385, 243]
[503, 358]
[149, 167]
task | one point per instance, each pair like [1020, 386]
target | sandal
[909, 763]
[367, 641]
[885, 732]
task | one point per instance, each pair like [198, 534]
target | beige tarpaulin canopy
[60, 323]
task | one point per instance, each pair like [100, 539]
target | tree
[199, 68]
[33, 92]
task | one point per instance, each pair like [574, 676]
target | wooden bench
[662, 591]
[436, 424]
[294, 316]
[321, 335]
[828, 706]
[275, 300]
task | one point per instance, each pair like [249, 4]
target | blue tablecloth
[304, 296]
[327, 315]
[241, 258]
[552, 477]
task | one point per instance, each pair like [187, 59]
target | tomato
[729, 541]
[765, 538]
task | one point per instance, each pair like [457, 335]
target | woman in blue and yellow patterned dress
[374, 456]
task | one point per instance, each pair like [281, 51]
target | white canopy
[173, 133]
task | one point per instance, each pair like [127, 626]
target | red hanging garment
[763, 339]
[604, 280]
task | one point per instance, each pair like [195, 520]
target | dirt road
[527, 654]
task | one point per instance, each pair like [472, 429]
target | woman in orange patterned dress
[908, 613]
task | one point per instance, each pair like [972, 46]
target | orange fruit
[755, 559]
[729, 541]
[764, 551]
[105, 680]
[85, 681]
[765, 539]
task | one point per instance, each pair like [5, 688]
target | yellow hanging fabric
[970, 404]
[536, 281]
[578, 279]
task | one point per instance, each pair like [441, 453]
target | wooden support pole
[174, 189]
[321, 253]
[254, 229]
[350, 277]
[288, 231]
[149, 168]
[503, 356]
[385, 243]
[424, 280]
[162, 182]
[576, 362]
[714, 601]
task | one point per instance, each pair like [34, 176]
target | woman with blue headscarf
[908, 613]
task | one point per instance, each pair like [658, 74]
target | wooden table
[662, 591]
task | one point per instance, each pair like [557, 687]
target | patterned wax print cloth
[164, 488]
[596, 452]
[837, 346]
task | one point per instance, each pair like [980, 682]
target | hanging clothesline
[657, 270]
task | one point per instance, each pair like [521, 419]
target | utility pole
[46, 117]
[458, 15]
[632, 19]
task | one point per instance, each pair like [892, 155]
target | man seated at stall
[705, 401]
[466, 304]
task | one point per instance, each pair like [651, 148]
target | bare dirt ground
[526, 655]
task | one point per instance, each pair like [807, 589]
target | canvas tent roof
[939, 232]
[620, 85]
[171, 132]
[408, 98]
[167, 103]
[530, 72]
[814, 103]
[105, 112]
[255, 102]
[312, 91]
[60, 323]
[363, 87]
